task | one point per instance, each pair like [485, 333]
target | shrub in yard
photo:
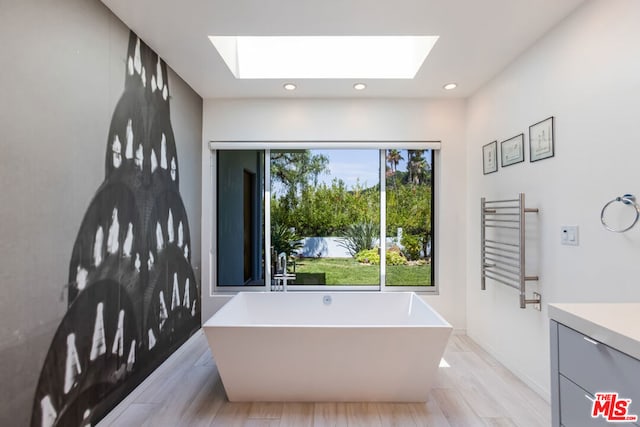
[396, 258]
[372, 256]
[412, 246]
[369, 256]
[284, 239]
[359, 237]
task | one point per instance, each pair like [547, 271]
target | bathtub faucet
[281, 277]
[282, 262]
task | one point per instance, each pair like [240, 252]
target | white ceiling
[478, 38]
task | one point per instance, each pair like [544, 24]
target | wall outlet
[569, 235]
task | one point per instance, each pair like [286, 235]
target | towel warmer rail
[503, 255]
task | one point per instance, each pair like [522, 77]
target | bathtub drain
[326, 299]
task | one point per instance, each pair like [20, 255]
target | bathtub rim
[210, 323]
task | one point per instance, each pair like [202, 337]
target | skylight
[324, 57]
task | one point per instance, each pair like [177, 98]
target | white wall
[586, 73]
[356, 119]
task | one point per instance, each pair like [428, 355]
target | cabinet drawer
[575, 406]
[597, 367]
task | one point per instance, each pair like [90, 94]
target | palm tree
[394, 157]
[388, 172]
[417, 167]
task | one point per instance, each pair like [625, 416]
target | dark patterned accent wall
[132, 294]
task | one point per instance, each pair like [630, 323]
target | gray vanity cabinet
[581, 367]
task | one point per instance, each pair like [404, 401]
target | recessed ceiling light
[289, 86]
[450, 86]
[359, 86]
[324, 57]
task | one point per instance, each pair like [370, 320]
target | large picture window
[325, 215]
[311, 218]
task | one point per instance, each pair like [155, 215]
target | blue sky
[351, 165]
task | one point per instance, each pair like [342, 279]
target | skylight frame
[324, 57]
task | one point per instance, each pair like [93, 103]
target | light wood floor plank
[232, 414]
[172, 409]
[475, 390]
[396, 415]
[363, 415]
[457, 343]
[134, 415]
[262, 422]
[428, 414]
[297, 415]
[470, 379]
[470, 346]
[206, 404]
[330, 415]
[205, 359]
[499, 422]
[526, 397]
[266, 410]
[455, 409]
[521, 404]
[172, 374]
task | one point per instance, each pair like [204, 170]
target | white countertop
[614, 324]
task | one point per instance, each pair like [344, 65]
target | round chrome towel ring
[627, 199]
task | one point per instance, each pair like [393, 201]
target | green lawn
[347, 271]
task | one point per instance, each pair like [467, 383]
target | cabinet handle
[589, 340]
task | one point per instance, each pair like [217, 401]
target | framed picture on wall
[541, 140]
[512, 150]
[490, 157]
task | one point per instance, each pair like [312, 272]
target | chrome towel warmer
[503, 245]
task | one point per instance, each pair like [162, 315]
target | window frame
[267, 146]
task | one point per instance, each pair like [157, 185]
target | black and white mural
[132, 293]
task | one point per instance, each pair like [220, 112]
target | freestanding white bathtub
[327, 346]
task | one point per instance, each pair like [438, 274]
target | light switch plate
[569, 235]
